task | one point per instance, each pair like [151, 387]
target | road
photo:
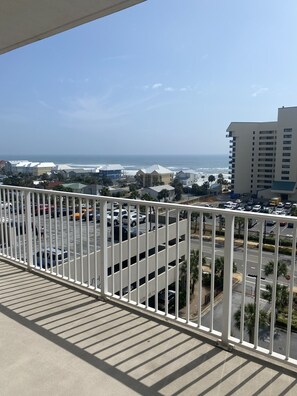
[280, 335]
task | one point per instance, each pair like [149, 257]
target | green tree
[194, 269]
[282, 293]
[239, 224]
[220, 179]
[147, 197]
[282, 296]
[219, 271]
[61, 188]
[163, 195]
[178, 188]
[282, 268]
[211, 178]
[105, 191]
[249, 320]
[134, 194]
[194, 220]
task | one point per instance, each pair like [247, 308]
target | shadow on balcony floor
[57, 341]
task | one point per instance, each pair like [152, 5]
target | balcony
[91, 298]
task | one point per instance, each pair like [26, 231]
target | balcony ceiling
[26, 21]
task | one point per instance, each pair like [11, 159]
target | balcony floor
[56, 341]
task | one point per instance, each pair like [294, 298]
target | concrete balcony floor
[57, 341]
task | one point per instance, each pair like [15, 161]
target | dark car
[60, 212]
[48, 256]
[91, 216]
[162, 302]
[125, 233]
[270, 223]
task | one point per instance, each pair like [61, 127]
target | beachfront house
[29, 168]
[112, 171]
[154, 176]
[187, 177]
[155, 192]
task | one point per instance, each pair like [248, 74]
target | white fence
[178, 261]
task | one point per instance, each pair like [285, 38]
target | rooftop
[156, 168]
[56, 340]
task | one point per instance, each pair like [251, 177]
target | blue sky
[163, 77]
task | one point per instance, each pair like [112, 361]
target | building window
[285, 178]
[286, 160]
[287, 142]
[288, 136]
[287, 148]
[286, 166]
[285, 172]
[288, 130]
[286, 154]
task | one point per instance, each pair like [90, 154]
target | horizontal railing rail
[225, 272]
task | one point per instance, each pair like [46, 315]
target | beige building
[262, 160]
[154, 175]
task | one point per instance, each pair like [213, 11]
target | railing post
[103, 247]
[29, 230]
[227, 285]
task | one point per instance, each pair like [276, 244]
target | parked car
[91, 216]
[256, 208]
[45, 257]
[60, 212]
[115, 216]
[125, 233]
[133, 219]
[77, 214]
[270, 223]
[162, 302]
[41, 209]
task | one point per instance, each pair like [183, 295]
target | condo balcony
[144, 297]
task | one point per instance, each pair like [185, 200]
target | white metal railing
[169, 263]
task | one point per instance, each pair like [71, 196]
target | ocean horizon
[208, 164]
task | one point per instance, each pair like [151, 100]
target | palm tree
[220, 179]
[194, 269]
[194, 218]
[239, 222]
[282, 294]
[282, 268]
[219, 271]
[249, 320]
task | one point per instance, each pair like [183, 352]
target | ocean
[205, 164]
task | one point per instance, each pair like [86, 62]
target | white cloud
[44, 104]
[90, 112]
[157, 85]
[258, 90]
[169, 89]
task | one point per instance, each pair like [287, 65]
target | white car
[116, 216]
[133, 219]
[256, 208]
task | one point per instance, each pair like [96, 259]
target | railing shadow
[144, 353]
